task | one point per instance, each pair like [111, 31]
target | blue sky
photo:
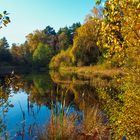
[29, 15]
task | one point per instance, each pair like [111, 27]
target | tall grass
[61, 124]
[92, 125]
[65, 127]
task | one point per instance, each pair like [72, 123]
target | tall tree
[51, 37]
[65, 36]
[33, 39]
[73, 29]
[42, 55]
[5, 55]
[49, 31]
[3, 43]
[85, 49]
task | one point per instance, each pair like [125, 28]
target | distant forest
[39, 48]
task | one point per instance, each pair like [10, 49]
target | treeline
[39, 47]
[109, 35]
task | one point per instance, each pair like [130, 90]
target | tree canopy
[42, 55]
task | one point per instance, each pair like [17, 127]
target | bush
[64, 58]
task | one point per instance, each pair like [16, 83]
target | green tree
[42, 55]
[73, 29]
[5, 55]
[65, 36]
[51, 37]
[49, 31]
[3, 43]
[63, 41]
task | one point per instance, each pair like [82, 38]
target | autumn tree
[62, 59]
[85, 49]
[21, 54]
[33, 39]
[120, 31]
[120, 37]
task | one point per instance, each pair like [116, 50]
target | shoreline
[92, 71]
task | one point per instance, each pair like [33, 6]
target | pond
[26, 103]
[58, 106]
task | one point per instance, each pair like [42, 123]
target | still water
[26, 102]
[60, 106]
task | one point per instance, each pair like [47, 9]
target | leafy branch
[4, 19]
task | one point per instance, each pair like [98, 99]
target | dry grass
[60, 129]
[89, 71]
[91, 127]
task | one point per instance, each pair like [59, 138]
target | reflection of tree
[41, 90]
[121, 103]
[40, 87]
[79, 88]
[42, 83]
[4, 105]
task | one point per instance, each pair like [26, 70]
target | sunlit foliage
[120, 31]
[122, 108]
[33, 39]
[64, 58]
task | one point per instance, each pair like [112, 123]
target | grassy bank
[89, 71]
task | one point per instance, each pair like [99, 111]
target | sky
[29, 15]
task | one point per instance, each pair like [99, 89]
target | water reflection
[44, 106]
[29, 101]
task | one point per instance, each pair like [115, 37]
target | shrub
[64, 58]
